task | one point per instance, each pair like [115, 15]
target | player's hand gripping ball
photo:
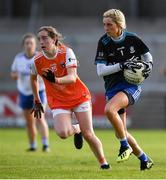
[135, 75]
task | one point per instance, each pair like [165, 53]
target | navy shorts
[27, 102]
[132, 91]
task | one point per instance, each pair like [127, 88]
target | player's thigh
[119, 101]
[85, 121]
[83, 113]
[62, 123]
[28, 116]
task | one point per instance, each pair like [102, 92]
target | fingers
[37, 114]
[146, 70]
[44, 76]
[133, 70]
[42, 110]
[132, 66]
[45, 71]
[32, 111]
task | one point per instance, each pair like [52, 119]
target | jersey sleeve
[33, 69]
[14, 65]
[100, 54]
[71, 60]
[141, 46]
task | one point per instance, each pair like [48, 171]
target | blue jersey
[111, 51]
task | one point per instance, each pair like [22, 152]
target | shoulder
[104, 40]
[131, 35]
[70, 54]
[69, 50]
[38, 55]
[20, 55]
[62, 49]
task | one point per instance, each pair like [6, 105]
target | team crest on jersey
[71, 59]
[120, 48]
[132, 50]
[53, 67]
[63, 64]
[111, 54]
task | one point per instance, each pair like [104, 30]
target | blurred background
[80, 22]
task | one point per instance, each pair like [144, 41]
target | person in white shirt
[20, 71]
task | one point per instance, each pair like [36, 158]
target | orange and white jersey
[65, 96]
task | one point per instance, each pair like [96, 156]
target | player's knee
[62, 134]
[109, 111]
[88, 135]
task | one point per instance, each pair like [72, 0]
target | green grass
[64, 161]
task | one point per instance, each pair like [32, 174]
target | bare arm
[69, 78]
[35, 87]
[14, 75]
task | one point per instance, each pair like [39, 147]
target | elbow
[13, 76]
[99, 73]
[72, 79]
[100, 68]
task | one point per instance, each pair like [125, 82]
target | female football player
[117, 50]
[66, 93]
[20, 71]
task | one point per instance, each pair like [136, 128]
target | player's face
[47, 44]
[111, 27]
[30, 46]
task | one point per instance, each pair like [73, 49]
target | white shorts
[85, 106]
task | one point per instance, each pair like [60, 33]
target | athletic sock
[124, 143]
[33, 145]
[45, 141]
[143, 157]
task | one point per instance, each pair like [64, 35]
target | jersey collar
[120, 38]
[51, 57]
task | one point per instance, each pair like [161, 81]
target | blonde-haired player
[66, 93]
[117, 50]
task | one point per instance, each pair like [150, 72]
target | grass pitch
[66, 162]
